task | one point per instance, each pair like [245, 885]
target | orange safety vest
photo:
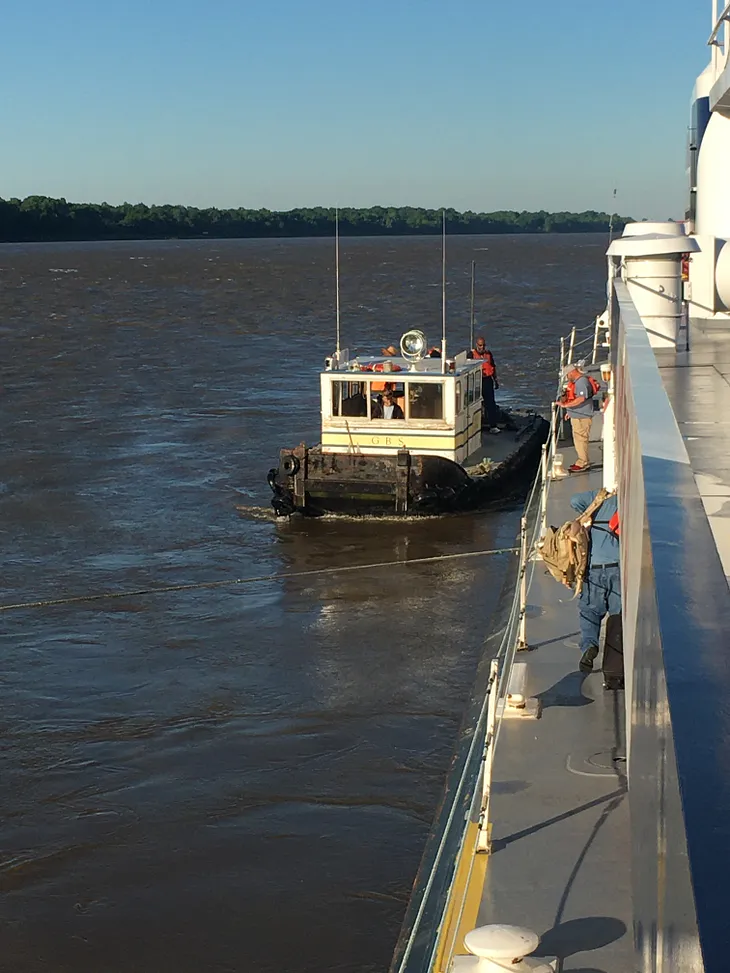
[488, 368]
[614, 525]
[570, 395]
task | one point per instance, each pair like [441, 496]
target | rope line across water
[106, 595]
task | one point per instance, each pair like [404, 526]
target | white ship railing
[462, 827]
[462, 830]
[719, 39]
[676, 625]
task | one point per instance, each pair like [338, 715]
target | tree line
[39, 218]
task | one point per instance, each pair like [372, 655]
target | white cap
[567, 369]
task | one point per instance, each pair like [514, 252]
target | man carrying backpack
[577, 400]
[601, 591]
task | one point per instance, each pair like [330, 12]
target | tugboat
[403, 435]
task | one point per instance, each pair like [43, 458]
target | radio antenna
[337, 279]
[610, 222]
[471, 316]
[443, 290]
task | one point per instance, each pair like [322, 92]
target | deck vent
[498, 947]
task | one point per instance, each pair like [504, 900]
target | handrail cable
[229, 582]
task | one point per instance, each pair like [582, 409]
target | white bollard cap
[498, 941]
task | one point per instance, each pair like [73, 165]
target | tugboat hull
[314, 483]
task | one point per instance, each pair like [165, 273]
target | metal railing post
[571, 346]
[596, 332]
[522, 631]
[483, 843]
[560, 381]
[543, 502]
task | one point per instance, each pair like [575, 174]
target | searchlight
[413, 345]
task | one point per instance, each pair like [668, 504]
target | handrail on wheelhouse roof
[722, 19]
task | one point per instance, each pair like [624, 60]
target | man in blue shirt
[577, 400]
[601, 592]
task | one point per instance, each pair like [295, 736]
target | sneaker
[586, 660]
[495, 429]
[575, 468]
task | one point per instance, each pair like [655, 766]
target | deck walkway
[561, 845]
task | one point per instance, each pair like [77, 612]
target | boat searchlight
[413, 345]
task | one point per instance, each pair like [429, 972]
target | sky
[475, 104]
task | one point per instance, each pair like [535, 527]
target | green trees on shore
[43, 218]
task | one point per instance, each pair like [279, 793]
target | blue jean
[601, 595]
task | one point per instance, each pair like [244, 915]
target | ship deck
[560, 818]
[498, 447]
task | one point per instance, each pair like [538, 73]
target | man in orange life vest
[577, 400]
[489, 381]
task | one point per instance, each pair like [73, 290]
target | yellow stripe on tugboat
[386, 439]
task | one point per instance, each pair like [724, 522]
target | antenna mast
[337, 279]
[471, 319]
[610, 222]
[443, 290]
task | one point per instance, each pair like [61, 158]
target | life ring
[380, 366]
[290, 465]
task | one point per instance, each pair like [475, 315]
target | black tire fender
[290, 465]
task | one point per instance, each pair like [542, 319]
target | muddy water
[236, 778]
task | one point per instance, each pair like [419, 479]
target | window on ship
[426, 401]
[348, 399]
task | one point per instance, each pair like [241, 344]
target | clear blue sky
[476, 104]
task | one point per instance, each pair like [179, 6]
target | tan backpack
[564, 550]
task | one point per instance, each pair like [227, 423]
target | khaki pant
[581, 436]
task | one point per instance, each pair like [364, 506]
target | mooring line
[107, 595]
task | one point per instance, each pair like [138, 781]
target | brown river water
[238, 778]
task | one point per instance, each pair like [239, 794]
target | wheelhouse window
[426, 401]
[458, 397]
[470, 388]
[348, 399]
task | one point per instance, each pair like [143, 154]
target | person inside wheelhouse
[387, 408]
[387, 400]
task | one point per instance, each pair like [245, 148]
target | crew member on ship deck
[577, 401]
[489, 381]
[601, 591]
